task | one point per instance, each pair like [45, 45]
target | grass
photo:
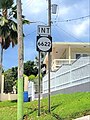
[63, 107]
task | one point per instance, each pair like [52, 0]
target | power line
[73, 19]
[38, 22]
[68, 20]
[30, 33]
[28, 3]
[71, 35]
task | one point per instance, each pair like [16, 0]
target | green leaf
[6, 43]
[4, 31]
[26, 22]
[14, 26]
[31, 77]
[3, 21]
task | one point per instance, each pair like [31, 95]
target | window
[85, 55]
[78, 56]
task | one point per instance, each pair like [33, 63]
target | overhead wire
[71, 35]
[30, 33]
[28, 3]
[73, 19]
[67, 20]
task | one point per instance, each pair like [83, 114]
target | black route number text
[44, 44]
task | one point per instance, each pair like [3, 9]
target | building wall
[79, 50]
[66, 51]
[60, 54]
[69, 54]
[73, 52]
[56, 54]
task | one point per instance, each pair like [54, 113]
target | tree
[10, 80]
[10, 77]
[32, 77]
[43, 66]
[8, 32]
[8, 26]
[30, 68]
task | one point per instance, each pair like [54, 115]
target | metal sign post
[39, 71]
[43, 44]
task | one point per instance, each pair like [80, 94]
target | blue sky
[62, 30]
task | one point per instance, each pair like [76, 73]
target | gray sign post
[43, 44]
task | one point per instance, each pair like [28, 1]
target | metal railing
[56, 63]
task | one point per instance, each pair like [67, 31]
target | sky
[71, 23]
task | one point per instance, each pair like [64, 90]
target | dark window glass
[78, 56]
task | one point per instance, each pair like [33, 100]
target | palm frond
[12, 25]
[4, 31]
[13, 36]
[6, 43]
[8, 25]
[6, 4]
[26, 21]
[3, 21]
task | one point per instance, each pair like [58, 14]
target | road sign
[43, 30]
[44, 43]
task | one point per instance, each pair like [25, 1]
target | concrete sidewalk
[84, 118]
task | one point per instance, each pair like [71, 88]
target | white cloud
[64, 10]
[81, 29]
[36, 10]
[34, 7]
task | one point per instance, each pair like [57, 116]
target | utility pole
[20, 62]
[49, 24]
[0, 67]
[1, 56]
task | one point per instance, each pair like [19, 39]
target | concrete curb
[84, 118]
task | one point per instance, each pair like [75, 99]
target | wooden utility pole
[1, 56]
[20, 62]
[0, 67]
[49, 24]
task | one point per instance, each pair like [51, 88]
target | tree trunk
[0, 69]
[20, 62]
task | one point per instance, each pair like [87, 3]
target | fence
[33, 90]
[4, 97]
[70, 78]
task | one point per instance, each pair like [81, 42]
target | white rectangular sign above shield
[43, 30]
